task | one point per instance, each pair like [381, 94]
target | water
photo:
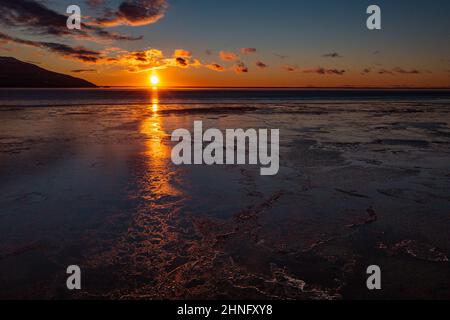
[86, 179]
[127, 96]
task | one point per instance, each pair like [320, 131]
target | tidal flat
[360, 183]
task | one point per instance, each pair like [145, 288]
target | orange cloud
[228, 56]
[141, 61]
[248, 50]
[240, 68]
[182, 53]
[215, 67]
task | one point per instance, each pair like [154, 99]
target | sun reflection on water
[160, 172]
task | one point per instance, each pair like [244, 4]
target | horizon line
[281, 87]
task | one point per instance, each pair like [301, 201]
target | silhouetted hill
[18, 74]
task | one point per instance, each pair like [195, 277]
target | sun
[154, 80]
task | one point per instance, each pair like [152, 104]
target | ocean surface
[129, 96]
[86, 178]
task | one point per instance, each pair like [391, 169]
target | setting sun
[154, 80]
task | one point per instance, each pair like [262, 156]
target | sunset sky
[295, 43]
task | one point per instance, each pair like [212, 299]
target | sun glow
[154, 80]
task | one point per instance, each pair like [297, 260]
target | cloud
[403, 71]
[240, 67]
[134, 13]
[94, 3]
[261, 65]
[248, 50]
[208, 52]
[182, 53]
[182, 62]
[384, 71]
[281, 56]
[144, 60]
[133, 61]
[154, 59]
[228, 56]
[35, 18]
[78, 53]
[215, 67]
[83, 70]
[323, 71]
[290, 68]
[366, 71]
[336, 71]
[332, 55]
[398, 70]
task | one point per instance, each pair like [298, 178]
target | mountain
[18, 74]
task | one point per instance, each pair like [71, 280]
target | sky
[245, 43]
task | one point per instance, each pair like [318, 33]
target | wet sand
[359, 184]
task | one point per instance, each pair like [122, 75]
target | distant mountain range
[18, 74]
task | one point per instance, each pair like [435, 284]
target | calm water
[118, 96]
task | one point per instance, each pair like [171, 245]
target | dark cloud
[83, 70]
[366, 71]
[404, 71]
[261, 65]
[240, 67]
[248, 50]
[290, 68]
[182, 62]
[74, 52]
[113, 36]
[140, 56]
[398, 70]
[135, 13]
[336, 71]
[78, 53]
[36, 18]
[385, 71]
[332, 55]
[215, 67]
[323, 71]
